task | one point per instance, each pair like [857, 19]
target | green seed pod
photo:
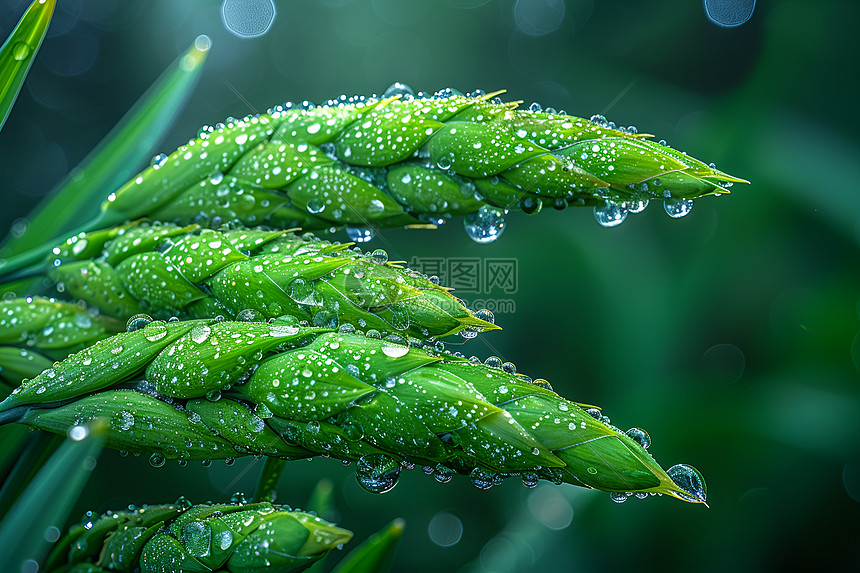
[166, 271]
[352, 397]
[36, 331]
[405, 160]
[235, 538]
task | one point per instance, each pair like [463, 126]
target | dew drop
[640, 436]
[610, 214]
[200, 333]
[137, 322]
[691, 481]
[156, 460]
[360, 234]
[677, 208]
[377, 473]
[486, 225]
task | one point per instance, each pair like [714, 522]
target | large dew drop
[677, 208]
[610, 214]
[377, 473]
[486, 225]
[691, 481]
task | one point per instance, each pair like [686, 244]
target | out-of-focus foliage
[736, 328]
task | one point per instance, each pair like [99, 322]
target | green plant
[212, 390]
[348, 364]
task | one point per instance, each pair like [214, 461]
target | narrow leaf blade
[118, 156]
[48, 500]
[376, 553]
[19, 51]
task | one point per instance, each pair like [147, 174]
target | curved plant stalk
[119, 154]
[19, 50]
[376, 553]
[36, 331]
[365, 163]
[206, 389]
[181, 537]
[165, 270]
[45, 504]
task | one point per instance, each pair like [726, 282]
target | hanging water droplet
[618, 497]
[610, 214]
[530, 479]
[486, 315]
[677, 207]
[156, 460]
[482, 479]
[486, 225]
[158, 161]
[636, 206]
[377, 473]
[640, 436]
[359, 234]
[691, 481]
[442, 474]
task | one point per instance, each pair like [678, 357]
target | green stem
[33, 261]
[267, 485]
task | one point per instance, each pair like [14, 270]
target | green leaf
[49, 498]
[119, 155]
[19, 50]
[376, 553]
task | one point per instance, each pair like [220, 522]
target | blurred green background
[732, 335]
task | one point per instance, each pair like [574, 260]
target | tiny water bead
[486, 225]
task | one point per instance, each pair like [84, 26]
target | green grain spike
[403, 161]
[165, 270]
[36, 331]
[178, 538]
[297, 392]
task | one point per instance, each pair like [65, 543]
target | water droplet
[156, 460]
[216, 178]
[691, 481]
[158, 161]
[618, 497]
[224, 539]
[636, 206]
[377, 473]
[316, 206]
[376, 207]
[486, 225]
[530, 479]
[398, 89]
[155, 331]
[359, 234]
[610, 214]
[20, 51]
[677, 208]
[125, 420]
[442, 474]
[395, 351]
[200, 333]
[640, 436]
[249, 315]
[196, 537]
[379, 256]
[137, 322]
[482, 479]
